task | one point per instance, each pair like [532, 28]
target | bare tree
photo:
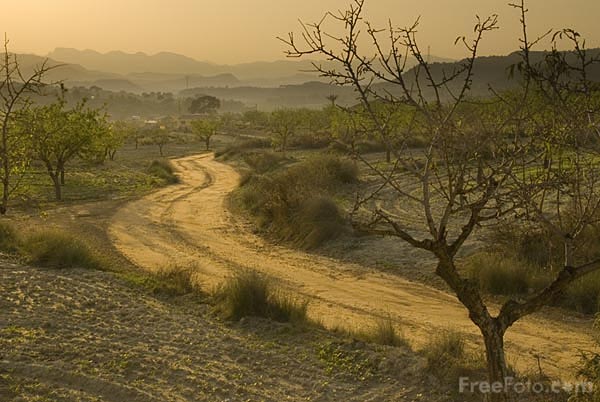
[16, 89]
[528, 155]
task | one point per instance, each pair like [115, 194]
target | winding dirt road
[190, 224]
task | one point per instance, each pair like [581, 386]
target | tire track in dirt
[189, 224]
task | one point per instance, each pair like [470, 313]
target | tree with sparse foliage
[59, 135]
[205, 129]
[16, 90]
[529, 156]
[284, 124]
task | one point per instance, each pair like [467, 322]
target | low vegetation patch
[248, 293]
[448, 359]
[53, 248]
[384, 332]
[164, 170]
[502, 275]
[242, 146]
[172, 281]
[521, 260]
[295, 203]
[9, 238]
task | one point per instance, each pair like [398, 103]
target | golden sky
[233, 31]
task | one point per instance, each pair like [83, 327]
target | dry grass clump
[448, 359]
[384, 332]
[9, 238]
[164, 170]
[53, 248]
[249, 293]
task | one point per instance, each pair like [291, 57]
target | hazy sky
[232, 31]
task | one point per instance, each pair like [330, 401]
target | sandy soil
[189, 224]
[80, 335]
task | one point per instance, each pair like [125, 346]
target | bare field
[78, 335]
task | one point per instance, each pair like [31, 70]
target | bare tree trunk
[207, 141]
[5, 195]
[496, 361]
[62, 176]
[57, 186]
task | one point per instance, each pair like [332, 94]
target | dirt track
[190, 224]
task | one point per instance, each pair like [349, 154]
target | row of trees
[331, 124]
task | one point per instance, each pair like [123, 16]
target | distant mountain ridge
[259, 73]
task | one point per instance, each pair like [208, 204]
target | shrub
[251, 294]
[308, 140]
[263, 162]
[175, 280]
[317, 221]
[164, 170]
[9, 240]
[55, 249]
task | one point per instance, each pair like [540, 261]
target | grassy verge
[295, 203]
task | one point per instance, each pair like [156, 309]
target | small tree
[256, 119]
[159, 136]
[15, 98]
[205, 105]
[115, 137]
[284, 124]
[345, 129]
[205, 129]
[59, 135]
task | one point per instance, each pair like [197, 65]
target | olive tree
[527, 156]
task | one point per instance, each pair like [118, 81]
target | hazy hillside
[494, 71]
[256, 73]
[62, 71]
